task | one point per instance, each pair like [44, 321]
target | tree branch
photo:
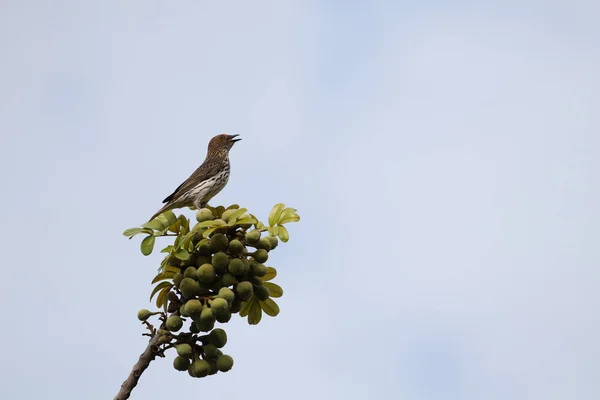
[152, 350]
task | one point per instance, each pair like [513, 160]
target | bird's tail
[166, 207]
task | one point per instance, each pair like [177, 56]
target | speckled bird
[206, 181]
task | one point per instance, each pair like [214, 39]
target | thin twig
[152, 350]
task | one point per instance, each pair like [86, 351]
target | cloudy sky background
[443, 158]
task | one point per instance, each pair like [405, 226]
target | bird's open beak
[232, 138]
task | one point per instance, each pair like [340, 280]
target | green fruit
[218, 242]
[253, 237]
[237, 267]
[202, 260]
[228, 279]
[227, 294]
[200, 368]
[177, 279]
[236, 247]
[261, 256]
[204, 214]
[181, 363]
[224, 317]
[194, 328]
[265, 244]
[256, 281]
[236, 306]
[244, 290]
[210, 351]
[224, 363]
[182, 311]
[190, 272]
[219, 306]
[213, 367]
[218, 337]
[184, 350]
[273, 240]
[262, 292]
[189, 288]
[220, 261]
[144, 314]
[174, 323]
[207, 315]
[206, 273]
[258, 269]
[204, 325]
[204, 248]
[193, 308]
[217, 284]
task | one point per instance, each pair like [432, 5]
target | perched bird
[206, 181]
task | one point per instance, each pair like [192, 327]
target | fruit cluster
[212, 271]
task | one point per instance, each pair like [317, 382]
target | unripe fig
[218, 242]
[210, 351]
[253, 237]
[207, 316]
[224, 317]
[236, 247]
[224, 363]
[261, 292]
[205, 325]
[189, 288]
[220, 261]
[261, 256]
[227, 294]
[273, 240]
[177, 279]
[184, 350]
[144, 314]
[256, 281]
[174, 323]
[200, 368]
[194, 328]
[204, 248]
[218, 337]
[181, 363]
[193, 308]
[264, 243]
[204, 214]
[237, 267]
[213, 367]
[219, 306]
[258, 269]
[236, 306]
[206, 273]
[228, 279]
[190, 272]
[202, 260]
[244, 290]
[182, 311]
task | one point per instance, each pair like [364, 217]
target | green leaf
[255, 313]
[170, 217]
[161, 299]
[283, 234]
[235, 215]
[275, 290]
[159, 287]
[164, 275]
[167, 249]
[187, 239]
[245, 221]
[269, 307]
[133, 231]
[171, 268]
[286, 220]
[275, 213]
[271, 273]
[245, 309]
[232, 207]
[273, 230]
[147, 245]
[207, 232]
[287, 215]
[155, 224]
[182, 254]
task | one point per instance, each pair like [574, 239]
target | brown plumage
[206, 181]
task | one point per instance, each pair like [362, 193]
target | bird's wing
[202, 173]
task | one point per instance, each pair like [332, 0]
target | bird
[207, 180]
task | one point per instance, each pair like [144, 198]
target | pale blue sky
[443, 158]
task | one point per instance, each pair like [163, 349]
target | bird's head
[222, 143]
